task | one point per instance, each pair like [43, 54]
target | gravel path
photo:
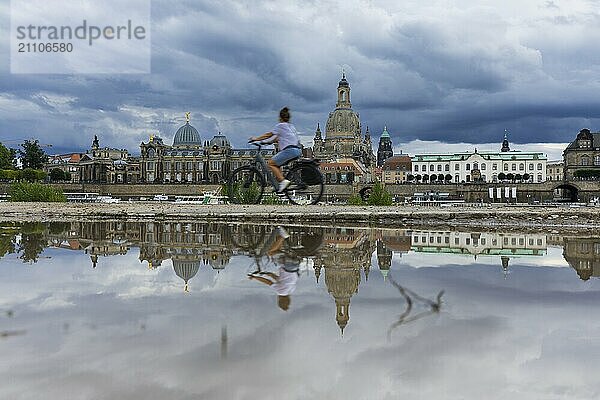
[582, 218]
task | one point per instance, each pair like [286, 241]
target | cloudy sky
[440, 72]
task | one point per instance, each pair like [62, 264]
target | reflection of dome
[186, 270]
[187, 135]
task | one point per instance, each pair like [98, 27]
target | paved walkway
[495, 216]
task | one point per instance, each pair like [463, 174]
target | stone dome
[187, 135]
[342, 122]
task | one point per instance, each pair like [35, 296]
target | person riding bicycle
[286, 136]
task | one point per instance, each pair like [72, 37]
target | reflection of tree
[409, 295]
[7, 243]
[31, 246]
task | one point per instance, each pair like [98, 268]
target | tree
[32, 155]
[57, 174]
[526, 177]
[448, 178]
[7, 157]
[510, 177]
[379, 196]
[501, 176]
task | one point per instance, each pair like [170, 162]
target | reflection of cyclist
[289, 146]
[284, 282]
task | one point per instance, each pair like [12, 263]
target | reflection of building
[344, 140]
[480, 166]
[582, 156]
[190, 159]
[583, 255]
[343, 254]
[479, 243]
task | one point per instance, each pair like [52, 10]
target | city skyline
[442, 77]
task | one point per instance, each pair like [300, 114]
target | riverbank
[582, 218]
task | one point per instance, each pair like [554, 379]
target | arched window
[343, 95]
[475, 165]
[540, 166]
[596, 160]
[431, 167]
[416, 168]
[505, 167]
[483, 166]
[539, 178]
[521, 167]
[447, 167]
[585, 160]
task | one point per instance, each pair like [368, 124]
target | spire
[318, 132]
[505, 144]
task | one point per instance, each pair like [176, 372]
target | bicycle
[246, 184]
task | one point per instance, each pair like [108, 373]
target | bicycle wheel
[306, 185]
[246, 185]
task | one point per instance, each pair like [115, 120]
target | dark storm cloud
[441, 71]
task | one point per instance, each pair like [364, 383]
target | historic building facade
[191, 160]
[488, 167]
[395, 169]
[582, 157]
[555, 170]
[108, 165]
[343, 136]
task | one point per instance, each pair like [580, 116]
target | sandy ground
[582, 218]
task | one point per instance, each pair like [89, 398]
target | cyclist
[286, 136]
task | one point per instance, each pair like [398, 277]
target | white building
[480, 167]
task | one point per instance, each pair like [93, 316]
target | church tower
[505, 145]
[385, 149]
[343, 91]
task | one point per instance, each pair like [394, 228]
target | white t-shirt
[286, 135]
[286, 282]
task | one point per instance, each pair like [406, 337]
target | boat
[160, 197]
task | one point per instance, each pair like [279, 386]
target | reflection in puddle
[409, 295]
[114, 300]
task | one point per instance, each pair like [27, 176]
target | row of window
[586, 160]
[482, 241]
[426, 177]
[178, 165]
[481, 167]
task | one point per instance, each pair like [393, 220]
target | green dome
[187, 135]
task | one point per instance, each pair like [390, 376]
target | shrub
[380, 196]
[24, 191]
[9, 175]
[356, 200]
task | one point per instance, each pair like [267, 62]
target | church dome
[187, 135]
[342, 122]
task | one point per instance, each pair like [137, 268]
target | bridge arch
[566, 192]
